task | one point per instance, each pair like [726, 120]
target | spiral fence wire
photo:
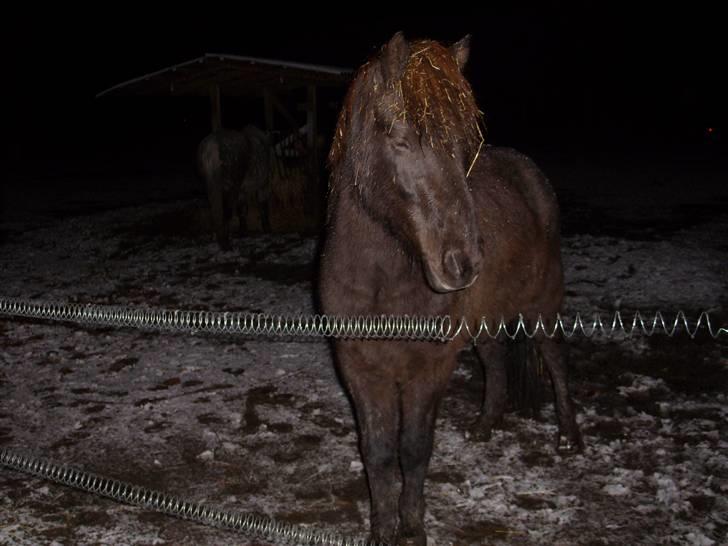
[390, 327]
[250, 525]
[404, 327]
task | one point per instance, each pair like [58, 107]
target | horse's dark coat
[409, 232]
[236, 167]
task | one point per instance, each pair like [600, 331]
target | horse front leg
[243, 211]
[420, 401]
[569, 440]
[216, 198]
[378, 440]
[376, 405]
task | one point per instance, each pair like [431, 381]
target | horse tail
[526, 377]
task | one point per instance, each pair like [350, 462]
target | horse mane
[430, 94]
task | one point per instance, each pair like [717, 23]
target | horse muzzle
[456, 271]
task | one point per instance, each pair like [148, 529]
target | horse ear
[461, 51]
[394, 57]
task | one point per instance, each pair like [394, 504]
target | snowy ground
[263, 427]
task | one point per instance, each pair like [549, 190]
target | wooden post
[317, 196]
[312, 132]
[285, 114]
[215, 108]
[311, 118]
[268, 100]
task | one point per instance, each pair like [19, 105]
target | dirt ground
[256, 426]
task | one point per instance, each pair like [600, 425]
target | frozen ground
[264, 427]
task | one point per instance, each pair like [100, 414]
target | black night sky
[580, 82]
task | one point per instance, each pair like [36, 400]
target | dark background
[572, 82]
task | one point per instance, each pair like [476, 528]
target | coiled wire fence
[404, 327]
[400, 327]
[250, 525]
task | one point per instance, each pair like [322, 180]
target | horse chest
[370, 279]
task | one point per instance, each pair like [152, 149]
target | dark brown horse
[236, 168]
[423, 219]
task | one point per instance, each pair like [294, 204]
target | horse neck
[367, 242]
[366, 270]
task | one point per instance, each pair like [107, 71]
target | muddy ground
[264, 427]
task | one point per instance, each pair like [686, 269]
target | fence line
[390, 327]
[404, 327]
[247, 524]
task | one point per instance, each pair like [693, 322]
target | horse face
[431, 208]
[429, 204]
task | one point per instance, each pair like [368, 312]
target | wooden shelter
[275, 81]
[234, 75]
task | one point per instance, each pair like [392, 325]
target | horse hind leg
[526, 377]
[211, 167]
[569, 438]
[492, 356]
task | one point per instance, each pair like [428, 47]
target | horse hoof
[419, 540]
[569, 446]
[480, 433]
[375, 539]
[482, 430]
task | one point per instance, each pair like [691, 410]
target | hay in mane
[431, 95]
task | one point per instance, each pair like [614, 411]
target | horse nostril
[457, 264]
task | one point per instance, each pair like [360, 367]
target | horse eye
[401, 144]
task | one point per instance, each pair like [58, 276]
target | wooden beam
[312, 118]
[268, 99]
[312, 134]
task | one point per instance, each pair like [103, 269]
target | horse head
[410, 131]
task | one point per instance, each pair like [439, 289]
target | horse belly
[523, 275]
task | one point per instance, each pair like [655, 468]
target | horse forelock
[431, 95]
